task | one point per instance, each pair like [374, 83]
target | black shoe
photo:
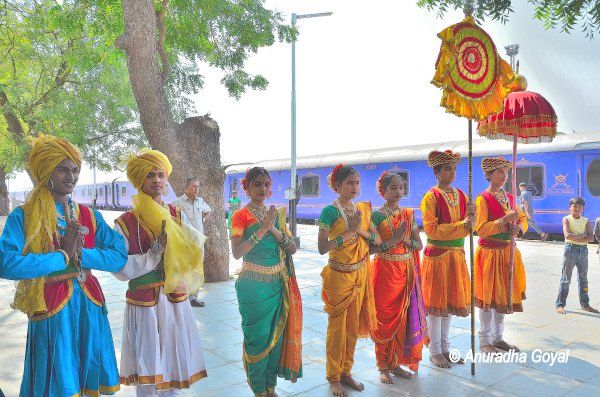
[196, 303]
[590, 309]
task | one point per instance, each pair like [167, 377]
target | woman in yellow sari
[401, 316]
[268, 296]
[496, 220]
[345, 232]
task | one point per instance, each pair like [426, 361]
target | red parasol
[527, 117]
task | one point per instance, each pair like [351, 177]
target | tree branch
[14, 125]
[162, 33]
[59, 80]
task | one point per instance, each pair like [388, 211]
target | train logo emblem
[560, 185]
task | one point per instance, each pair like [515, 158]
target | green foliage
[61, 77]
[220, 33]
[565, 15]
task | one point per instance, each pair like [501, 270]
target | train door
[107, 195]
[590, 185]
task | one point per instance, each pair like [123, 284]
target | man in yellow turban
[164, 266]
[51, 244]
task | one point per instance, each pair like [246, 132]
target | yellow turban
[138, 167]
[40, 219]
[182, 257]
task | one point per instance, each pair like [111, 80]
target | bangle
[67, 260]
[372, 237]
[253, 239]
[383, 246]
[339, 240]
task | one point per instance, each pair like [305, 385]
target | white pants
[439, 327]
[150, 391]
[492, 327]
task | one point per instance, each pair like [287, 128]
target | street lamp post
[293, 192]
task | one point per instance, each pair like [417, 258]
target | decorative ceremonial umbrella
[527, 117]
[475, 82]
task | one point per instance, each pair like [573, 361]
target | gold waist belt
[395, 257]
[263, 269]
[343, 267]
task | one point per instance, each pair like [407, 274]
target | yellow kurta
[348, 296]
[492, 264]
[445, 281]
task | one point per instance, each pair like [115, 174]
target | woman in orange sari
[401, 324]
[447, 218]
[345, 232]
[496, 220]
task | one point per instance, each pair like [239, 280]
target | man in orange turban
[51, 244]
[164, 266]
[446, 286]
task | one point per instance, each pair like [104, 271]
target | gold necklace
[388, 215]
[451, 196]
[501, 197]
[258, 212]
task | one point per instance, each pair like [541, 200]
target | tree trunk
[4, 199]
[192, 147]
[202, 159]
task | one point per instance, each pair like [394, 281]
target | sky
[363, 81]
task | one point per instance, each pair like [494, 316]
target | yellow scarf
[183, 254]
[40, 218]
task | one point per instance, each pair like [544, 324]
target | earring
[50, 184]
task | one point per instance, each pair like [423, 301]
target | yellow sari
[347, 291]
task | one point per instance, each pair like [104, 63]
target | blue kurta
[72, 351]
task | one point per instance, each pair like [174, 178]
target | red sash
[443, 214]
[495, 211]
[58, 293]
[442, 210]
[147, 293]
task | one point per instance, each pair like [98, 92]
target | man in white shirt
[196, 210]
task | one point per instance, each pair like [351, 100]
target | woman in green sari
[268, 296]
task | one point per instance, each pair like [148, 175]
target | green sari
[270, 307]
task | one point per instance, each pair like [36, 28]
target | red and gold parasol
[527, 117]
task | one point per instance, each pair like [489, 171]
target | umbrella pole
[471, 249]
[513, 243]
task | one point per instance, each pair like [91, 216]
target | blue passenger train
[554, 172]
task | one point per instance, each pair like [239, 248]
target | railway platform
[561, 352]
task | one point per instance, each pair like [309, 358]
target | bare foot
[337, 389]
[489, 349]
[353, 383]
[503, 345]
[272, 394]
[402, 373]
[385, 377]
[440, 361]
[447, 357]
[561, 310]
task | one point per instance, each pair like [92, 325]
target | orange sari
[401, 326]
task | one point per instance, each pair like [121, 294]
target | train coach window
[533, 176]
[310, 186]
[593, 178]
[123, 190]
[100, 191]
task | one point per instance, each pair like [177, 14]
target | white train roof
[481, 147]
